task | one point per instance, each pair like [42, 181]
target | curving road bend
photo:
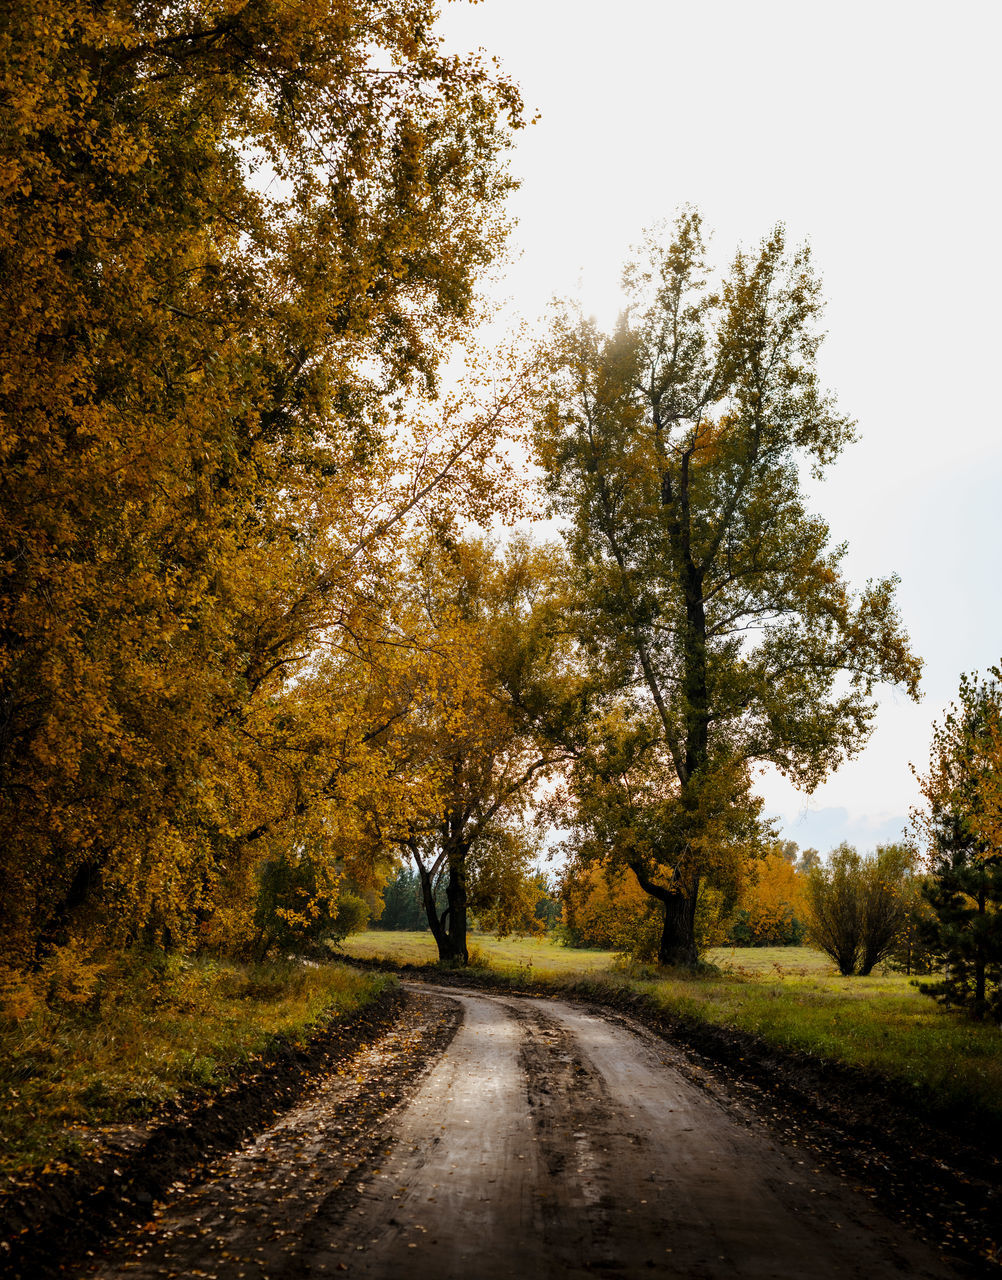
[546, 1141]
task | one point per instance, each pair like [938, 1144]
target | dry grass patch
[770, 962]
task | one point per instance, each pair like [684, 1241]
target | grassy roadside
[880, 1025]
[114, 1042]
[788, 997]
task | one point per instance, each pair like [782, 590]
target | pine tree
[965, 887]
[965, 894]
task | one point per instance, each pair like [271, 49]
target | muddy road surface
[542, 1141]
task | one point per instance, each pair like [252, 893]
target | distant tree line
[403, 906]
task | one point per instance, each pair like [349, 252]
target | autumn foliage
[604, 908]
[473, 749]
[772, 908]
[238, 237]
[247, 655]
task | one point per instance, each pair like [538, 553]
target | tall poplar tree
[707, 594]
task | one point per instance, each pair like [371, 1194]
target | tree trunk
[455, 950]
[678, 931]
[980, 955]
[435, 923]
[678, 934]
[449, 928]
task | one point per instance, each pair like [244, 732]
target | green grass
[545, 956]
[541, 955]
[115, 1045]
[881, 1024]
[791, 997]
[71, 1067]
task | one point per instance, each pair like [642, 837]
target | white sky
[871, 130]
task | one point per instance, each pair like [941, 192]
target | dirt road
[545, 1141]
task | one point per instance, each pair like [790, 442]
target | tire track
[584, 1136]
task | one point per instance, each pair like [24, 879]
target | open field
[789, 996]
[761, 962]
[544, 956]
[881, 1024]
[541, 955]
[145, 1033]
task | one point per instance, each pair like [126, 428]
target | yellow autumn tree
[986, 811]
[238, 234]
[476, 741]
[604, 907]
[772, 906]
